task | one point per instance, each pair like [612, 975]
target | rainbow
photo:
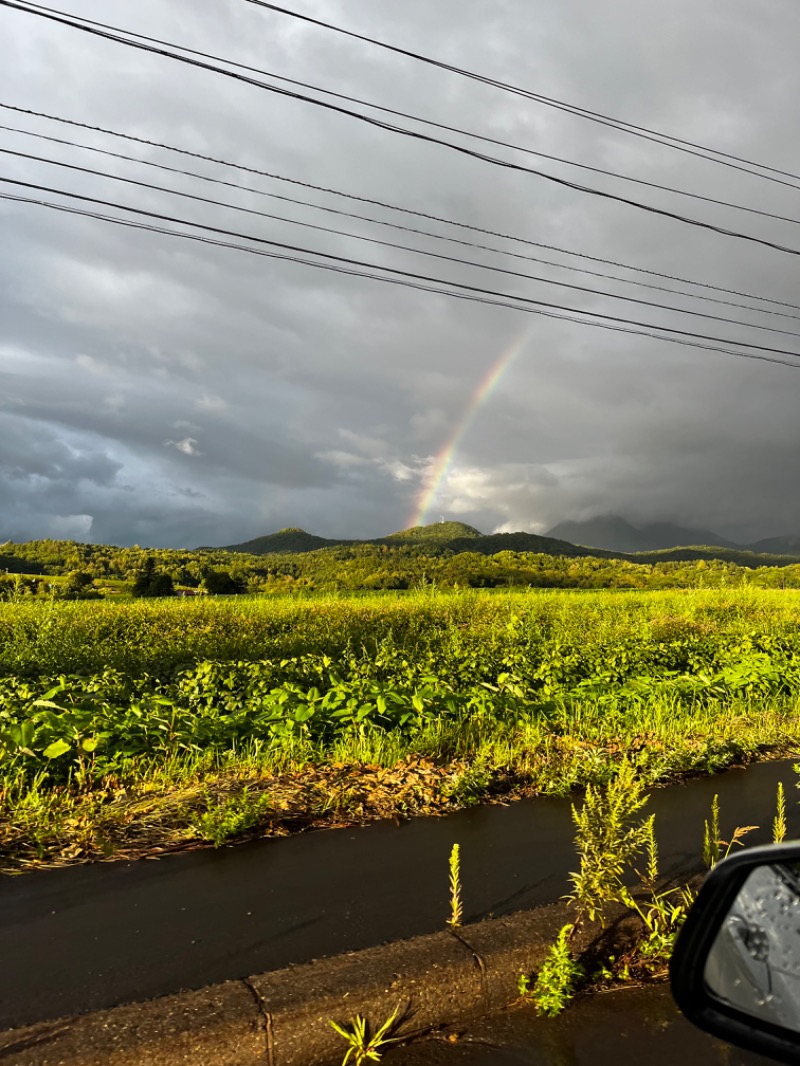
[444, 460]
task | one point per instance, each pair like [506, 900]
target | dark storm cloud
[161, 391]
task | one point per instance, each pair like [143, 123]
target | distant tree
[144, 577]
[150, 582]
[162, 585]
[78, 586]
[221, 583]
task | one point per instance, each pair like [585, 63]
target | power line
[396, 272]
[58, 17]
[656, 136]
[390, 244]
[404, 210]
[381, 222]
[337, 269]
[85, 24]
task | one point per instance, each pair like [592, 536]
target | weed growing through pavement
[779, 821]
[454, 921]
[558, 978]
[711, 836]
[362, 1045]
[610, 834]
[661, 915]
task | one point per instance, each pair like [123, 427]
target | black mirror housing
[739, 934]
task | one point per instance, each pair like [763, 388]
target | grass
[363, 1044]
[161, 636]
[133, 728]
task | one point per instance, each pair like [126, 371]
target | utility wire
[391, 244]
[656, 136]
[85, 24]
[156, 49]
[383, 222]
[395, 271]
[395, 207]
[470, 298]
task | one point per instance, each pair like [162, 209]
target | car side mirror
[735, 968]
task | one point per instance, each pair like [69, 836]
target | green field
[131, 727]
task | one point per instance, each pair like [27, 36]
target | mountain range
[435, 538]
[616, 534]
[607, 536]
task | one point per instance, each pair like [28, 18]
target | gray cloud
[165, 392]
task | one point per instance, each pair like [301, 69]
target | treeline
[65, 569]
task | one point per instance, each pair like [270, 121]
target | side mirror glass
[735, 969]
[754, 961]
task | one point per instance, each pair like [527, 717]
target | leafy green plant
[469, 787]
[609, 836]
[454, 921]
[362, 1044]
[662, 915]
[558, 978]
[231, 817]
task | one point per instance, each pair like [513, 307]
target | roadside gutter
[281, 1018]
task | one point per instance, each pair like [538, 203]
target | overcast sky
[161, 392]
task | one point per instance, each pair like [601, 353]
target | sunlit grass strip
[157, 637]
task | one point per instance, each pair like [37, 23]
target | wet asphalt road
[626, 1027]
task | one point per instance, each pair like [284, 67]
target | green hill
[445, 555]
[291, 540]
[438, 531]
[693, 553]
[491, 543]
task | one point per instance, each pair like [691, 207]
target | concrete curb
[282, 1018]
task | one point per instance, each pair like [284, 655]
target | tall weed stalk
[609, 834]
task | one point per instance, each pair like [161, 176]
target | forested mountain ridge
[446, 555]
[433, 540]
[446, 538]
